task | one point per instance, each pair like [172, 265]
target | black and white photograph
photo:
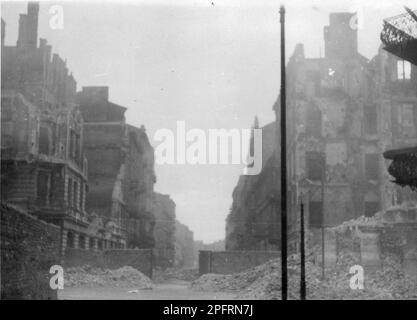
[231, 151]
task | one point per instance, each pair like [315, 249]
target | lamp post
[283, 116]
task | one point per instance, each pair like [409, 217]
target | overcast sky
[213, 64]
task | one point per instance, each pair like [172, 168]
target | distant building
[43, 166]
[253, 222]
[164, 230]
[121, 175]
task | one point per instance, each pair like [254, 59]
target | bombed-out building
[344, 111]
[43, 166]
[121, 174]
[164, 230]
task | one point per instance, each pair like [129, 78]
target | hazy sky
[213, 65]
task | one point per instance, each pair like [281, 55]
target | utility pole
[323, 177]
[302, 255]
[284, 275]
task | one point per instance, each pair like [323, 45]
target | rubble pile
[183, 274]
[375, 221]
[93, 277]
[264, 282]
[237, 281]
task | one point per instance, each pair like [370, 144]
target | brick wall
[29, 247]
[141, 259]
[228, 262]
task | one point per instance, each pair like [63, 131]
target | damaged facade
[164, 231]
[43, 166]
[121, 175]
[344, 111]
[49, 134]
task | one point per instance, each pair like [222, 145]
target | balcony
[399, 35]
[404, 166]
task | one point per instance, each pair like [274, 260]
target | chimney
[28, 27]
[341, 36]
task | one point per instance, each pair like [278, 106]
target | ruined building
[43, 167]
[253, 222]
[344, 111]
[164, 231]
[121, 174]
[399, 36]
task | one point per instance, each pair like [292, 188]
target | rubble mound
[234, 282]
[93, 277]
[183, 274]
[264, 282]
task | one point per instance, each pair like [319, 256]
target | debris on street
[93, 277]
[264, 282]
[183, 274]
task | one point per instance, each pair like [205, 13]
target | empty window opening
[371, 207]
[81, 241]
[371, 119]
[403, 70]
[371, 166]
[314, 121]
[315, 163]
[42, 188]
[315, 218]
[70, 240]
[44, 140]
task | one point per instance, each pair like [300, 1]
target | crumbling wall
[29, 247]
[389, 234]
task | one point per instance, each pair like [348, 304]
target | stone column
[76, 240]
[95, 244]
[64, 241]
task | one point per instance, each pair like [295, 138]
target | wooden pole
[284, 275]
[323, 179]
